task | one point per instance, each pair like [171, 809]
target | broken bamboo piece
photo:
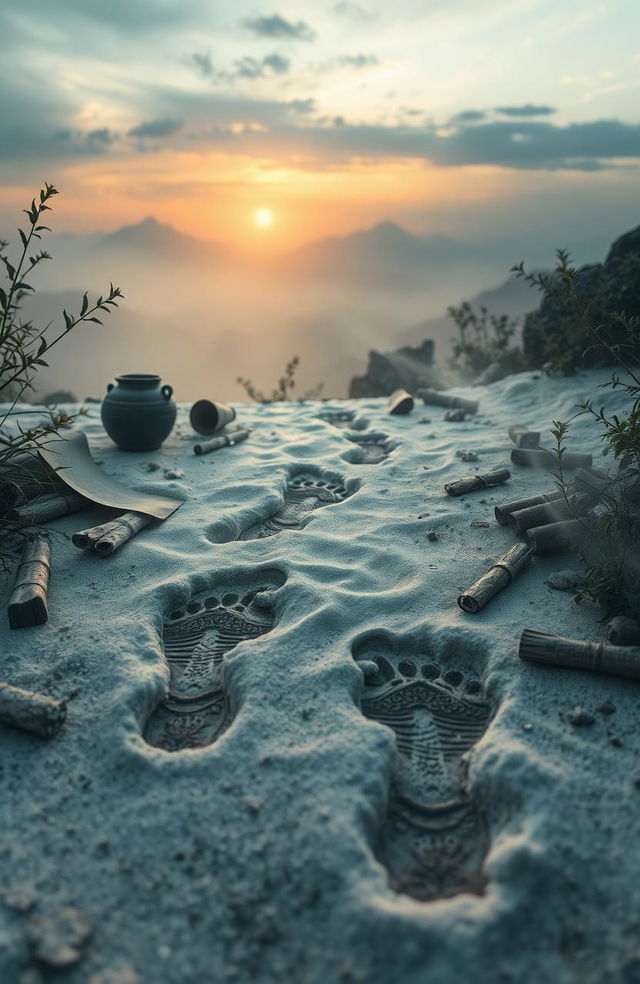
[86, 539]
[522, 437]
[497, 577]
[224, 441]
[400, 402]
[544, 647]
[554, 537]
[540, 458]
[435, 398]
[50, 507]
[504, 512]
[460, 486]
[28, 602]
[41, 715]
[120, 531]
[545, 513]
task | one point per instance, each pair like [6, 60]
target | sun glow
[263, 218]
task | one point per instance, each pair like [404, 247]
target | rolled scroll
[544, 513]
[539, 458]
[28, 601]
[460, 486]
[554, 536]
[435, 398]
[543, 647]
[522, 437]
[497, 577]
[400, 402]
[623, 631]
[42, 716]
[86, 539]
[503, 513]
[51, 507]
[224, 441]
[120, 531]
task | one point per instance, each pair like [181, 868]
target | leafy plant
[23, 347]
[609, 547]
[485, 339]
[284, 389]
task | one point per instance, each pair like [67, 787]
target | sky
[511, 120]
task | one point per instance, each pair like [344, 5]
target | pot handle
[110, 386]
[167, 392]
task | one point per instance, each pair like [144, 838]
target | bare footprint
[434, 843]
[195, 639]
[372, 448]
[304, 493]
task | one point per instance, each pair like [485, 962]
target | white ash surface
[255, 858]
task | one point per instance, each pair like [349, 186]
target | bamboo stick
[540, 458]
[435, 398]
[543, 647]
[85, 539]
[460, 486]
[28, 601]
[121, 530]
[545, 513]
[554, 537]
[497, 577]
[50, 507]
[224, 441]
[522, 437]
[41, 715]
[504, 512]
[400, 402]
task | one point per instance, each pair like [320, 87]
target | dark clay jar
[138, 413]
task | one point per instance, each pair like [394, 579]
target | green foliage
[609, 547]
[579, 322]
[23, 347]
[485, 339]
[284, 389]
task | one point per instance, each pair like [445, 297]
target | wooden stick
[503, 513]
[435, 398]
[545, 513]
[460, 486]
[539, 458]
[42, 716]
[122, 529]
[28, 601]
[543, 647]
[497, 577]
[522, 437]
[400, 402]
[224, 441]
[51, 507]
[554, 536]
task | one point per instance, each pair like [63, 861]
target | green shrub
[284, 389]
[485, 339]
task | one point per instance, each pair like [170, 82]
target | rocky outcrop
[406, 368]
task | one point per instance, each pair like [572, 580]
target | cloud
[469, 116]
[201, 62]
[275, 26]
[254, 68]
[357, 61]
[528, 110]
[154, 129]
[353, 10]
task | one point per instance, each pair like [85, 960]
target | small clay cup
[207, 417]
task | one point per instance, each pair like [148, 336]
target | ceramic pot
[137, 412]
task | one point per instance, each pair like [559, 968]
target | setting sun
[263, 218]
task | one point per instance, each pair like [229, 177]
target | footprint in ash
[196, 710]
[342, 419]
[372, 448]
[434, 842]
[305, 492]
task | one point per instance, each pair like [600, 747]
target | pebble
[152, 466]
[579, 718]
[607, 708]
[480, 522]
[469, 456]
[58, 937]
[173, 473]
[563, 580]
[433, 536]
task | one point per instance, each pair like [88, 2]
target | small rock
[615, 741]
[482, 523]
[20, 899]
[607, 708]
[423, 515]
[173, 473]
[636, 782]
[57, 938]
[433, 536]
[152, 466]
[469, 456]
[425, 420]
[252, 804]
[527, 727]
[563, 580]
[580, 718]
